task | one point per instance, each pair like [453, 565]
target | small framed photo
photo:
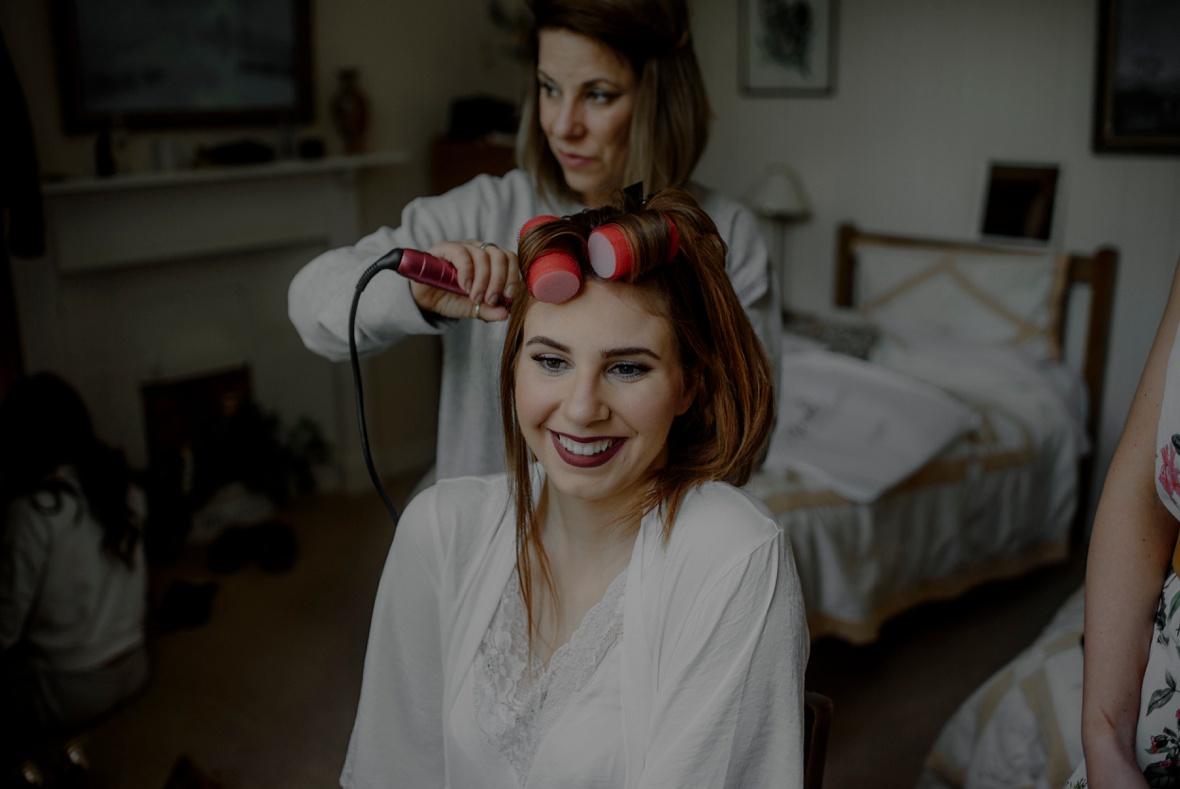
[1137, 102]
[1020, 202]
[787, 47]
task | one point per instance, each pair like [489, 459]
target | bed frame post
[845, 260]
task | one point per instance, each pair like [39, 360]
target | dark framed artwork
[787, 47]
[1020, 202]
[183, 63]
[1137, 102]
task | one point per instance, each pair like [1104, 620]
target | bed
[935, 426]
[1022, 727]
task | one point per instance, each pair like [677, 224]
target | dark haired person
[612, 611]
[73, 580]
[619, 99]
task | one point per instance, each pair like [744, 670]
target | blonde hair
[724, 434]
[670, 120]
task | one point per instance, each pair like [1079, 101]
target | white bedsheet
[996, 501]
[1021, 728]
[964, 366]
[858, 427]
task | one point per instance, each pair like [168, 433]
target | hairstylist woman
[616, 613]
[619, 99]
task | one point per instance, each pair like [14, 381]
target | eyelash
[597, 96]
[549, 364]
[638, 370]
[601, 96]
[626, 371]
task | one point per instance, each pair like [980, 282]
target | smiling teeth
[579, 448]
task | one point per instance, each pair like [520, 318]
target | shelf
[152, 218]
[282, 168]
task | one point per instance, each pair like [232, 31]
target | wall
[413, 59]
[110, 331]
[927, 92]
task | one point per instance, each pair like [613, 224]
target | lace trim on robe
[517, 698]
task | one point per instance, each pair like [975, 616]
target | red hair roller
[610, 254]
[555, 277]
[534, 222]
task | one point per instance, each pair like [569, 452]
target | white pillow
[1012, 298]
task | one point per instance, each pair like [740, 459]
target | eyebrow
[609, 353]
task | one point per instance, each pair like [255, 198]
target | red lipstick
[586, 461]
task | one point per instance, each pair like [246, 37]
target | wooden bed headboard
[1096, 270]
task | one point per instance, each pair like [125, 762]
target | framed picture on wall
[183, 63]
[1020, 202]
[1137, 103]
[787, 47]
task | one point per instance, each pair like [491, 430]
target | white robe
[710, 666]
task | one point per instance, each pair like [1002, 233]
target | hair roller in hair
[554, 277]
[674, 247]
[534, 222]
[610, 254]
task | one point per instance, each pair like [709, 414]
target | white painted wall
[110, 331]
[927, 92]
[413, 57]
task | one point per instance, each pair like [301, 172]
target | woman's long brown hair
[724, 434]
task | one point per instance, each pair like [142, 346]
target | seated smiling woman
[612, 611]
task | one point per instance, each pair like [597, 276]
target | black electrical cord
[390, 263]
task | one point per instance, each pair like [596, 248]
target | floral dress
[1157, 739]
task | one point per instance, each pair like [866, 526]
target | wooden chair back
[817, 721]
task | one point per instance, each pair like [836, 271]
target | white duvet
[1021, 728]
[873, 536]
[861, 427]
[858, 427]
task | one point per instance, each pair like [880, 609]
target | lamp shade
[779, 194]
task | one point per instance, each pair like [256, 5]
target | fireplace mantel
[282, 168]
[158, 217]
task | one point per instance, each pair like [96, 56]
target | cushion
[839, 332]
[995, 296]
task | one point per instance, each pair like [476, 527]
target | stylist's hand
[490, 276]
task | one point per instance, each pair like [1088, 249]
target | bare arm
[1130, 548]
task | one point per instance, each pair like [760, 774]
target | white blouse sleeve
[320, 295]
[24, 552]
[727, 709]
[397, 739]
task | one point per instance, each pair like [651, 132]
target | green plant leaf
[1160, 698]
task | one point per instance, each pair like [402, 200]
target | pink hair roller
[610, 254]
[534, 222]
[555, 277]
